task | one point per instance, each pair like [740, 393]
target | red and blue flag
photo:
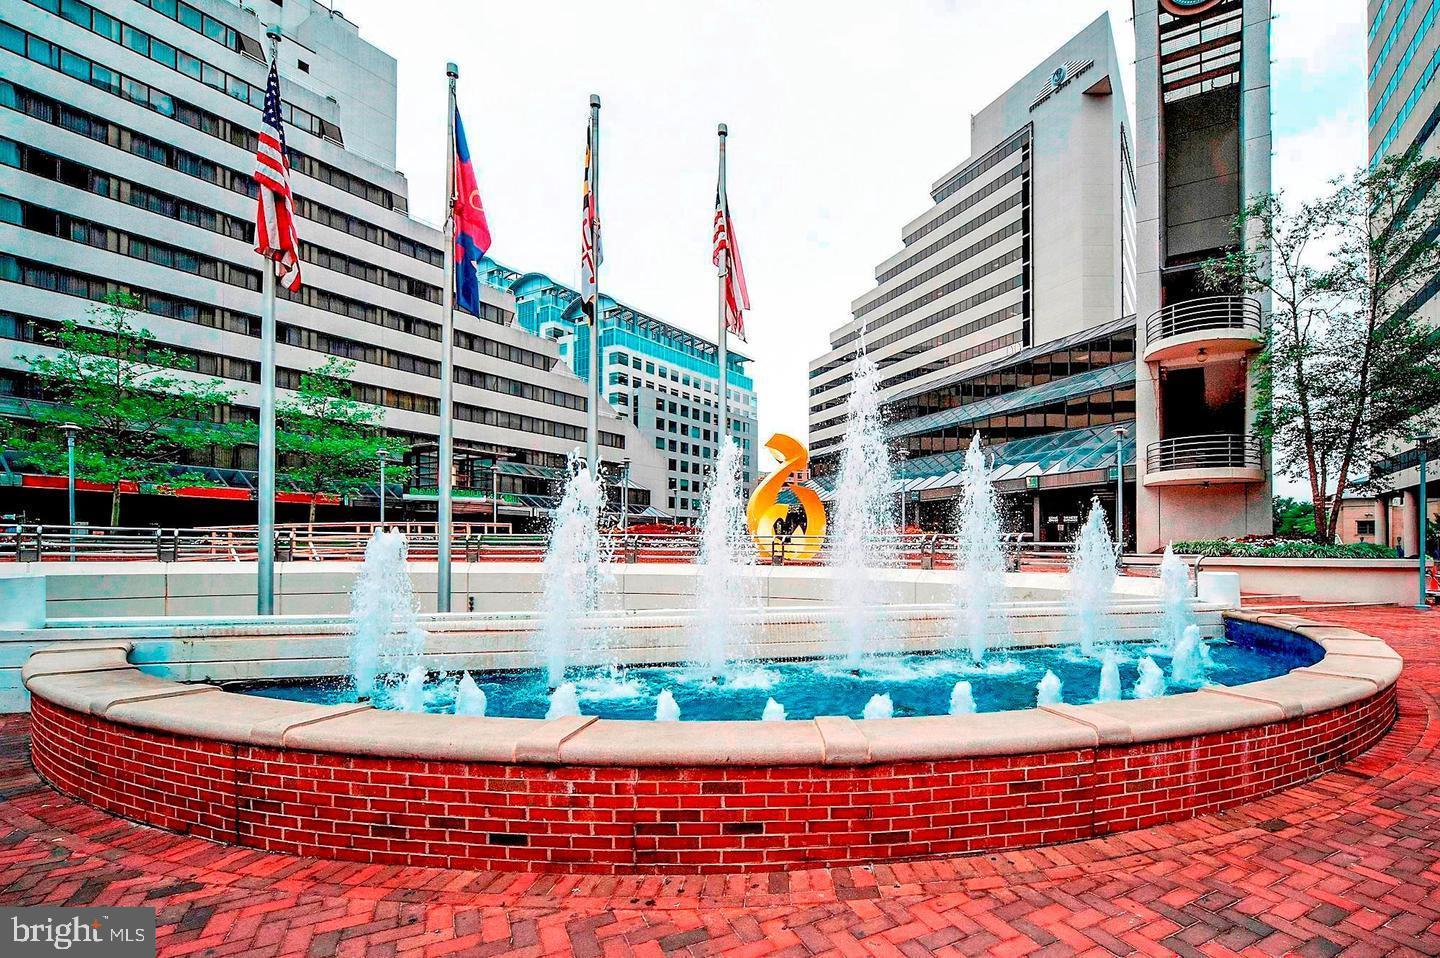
[472, 231]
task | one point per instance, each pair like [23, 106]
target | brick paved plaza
[1349, 863]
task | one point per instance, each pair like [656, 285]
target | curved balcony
[1199, 328]
[1204, 460]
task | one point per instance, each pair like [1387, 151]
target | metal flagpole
[592, 419]
[445, 479]
[265, 525]
[720, 337]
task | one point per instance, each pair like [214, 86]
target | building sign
[1187, 8]
[1063, 75]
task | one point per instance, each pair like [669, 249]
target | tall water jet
[384, 636]
[1092, 580]
[1109, 678]
[1187, 665]
[1177, 613]
[1151, 681]
[666, 708]
[564, 701]
[862, 517]
[725, 595]
[571, 577]
[962, 701]
[410, 696]
[1048, 690]
[469, 697]
[879, 707]
[774, 712]
[980, 623]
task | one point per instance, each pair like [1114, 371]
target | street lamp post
[1120, 433]
[384, 456]
[625, 495]
[1422, 521]
[71, 430]
[904, 455]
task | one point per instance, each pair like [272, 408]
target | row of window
[511, 354]
[975, 170]
[1015, 255]
[1013, 311]
[944, 313]
[965, 229]
[1013, 338]
[513, 387]
[1417, 40]
[948, 263]
[50, 222]
[1390, 39]
[33, 329]
[1408, 107]
[205, 25]
[501, 419]
[1000, 182]
[101, 77]
[1096, 409]
[48, 110]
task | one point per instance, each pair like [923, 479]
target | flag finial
[723, 130]
[452, 71]
[594, 99]
[273, 32]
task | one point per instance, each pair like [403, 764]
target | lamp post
[384, 456]
[71, 430]
[903, 454]
[625, 495]
[1423, 444]
[494, 497]
[1120, 433]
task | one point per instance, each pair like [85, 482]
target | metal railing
[1215, 451]
[1208, 313]
[346, 542]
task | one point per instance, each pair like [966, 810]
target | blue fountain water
[916, 684]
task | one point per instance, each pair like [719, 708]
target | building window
[1365, 527]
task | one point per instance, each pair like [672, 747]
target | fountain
[1092, 580]
[571, 577]
[564, 701]
[879, 707]
[726, 602]
[774, 712]
[962, 702]
[862, 520]
[1178, 613]
[1048, 689]
[1187, 665]
[383, 630]
[980, 624]
[469, 697]
[666, 708]
[1109, 678]
[1151, 681]
[410, 696]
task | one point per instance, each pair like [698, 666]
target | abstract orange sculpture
[765, 508]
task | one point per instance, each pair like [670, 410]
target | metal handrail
[1210, 312]
[1214, 451]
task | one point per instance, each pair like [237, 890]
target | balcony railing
[1216, 451]
[1213, 313]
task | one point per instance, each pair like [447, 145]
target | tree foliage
[1293, 518]
[327, 440]
[1348, 369]
[139, 405]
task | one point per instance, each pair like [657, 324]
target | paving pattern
[1347, 864]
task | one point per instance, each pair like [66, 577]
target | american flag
[727, 257]
[275, 237]
[591, 252]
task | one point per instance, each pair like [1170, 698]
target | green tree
[1293, 518]
[140, 407]
[1348, 370]
[327, 440]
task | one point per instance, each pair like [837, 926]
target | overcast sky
[841, 114]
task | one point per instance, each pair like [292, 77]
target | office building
[664, 378]
[1203, 147]
[1008, 308]
[126, 151]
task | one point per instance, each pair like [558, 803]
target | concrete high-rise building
[127, 142]
[663, 378]
[1202, 131]
[1008, 309]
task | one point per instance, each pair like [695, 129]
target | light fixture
[1202, 356]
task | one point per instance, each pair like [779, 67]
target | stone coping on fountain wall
[580, 793]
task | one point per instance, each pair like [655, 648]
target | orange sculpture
[765, 508]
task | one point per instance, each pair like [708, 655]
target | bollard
[285, 546]
[167, 548]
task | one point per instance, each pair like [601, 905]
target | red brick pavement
[1349, 863]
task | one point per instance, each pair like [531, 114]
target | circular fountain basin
[581, 793]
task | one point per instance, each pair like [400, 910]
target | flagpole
[265, 521]
[445, 478]
[592, 418]
[720, 338]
